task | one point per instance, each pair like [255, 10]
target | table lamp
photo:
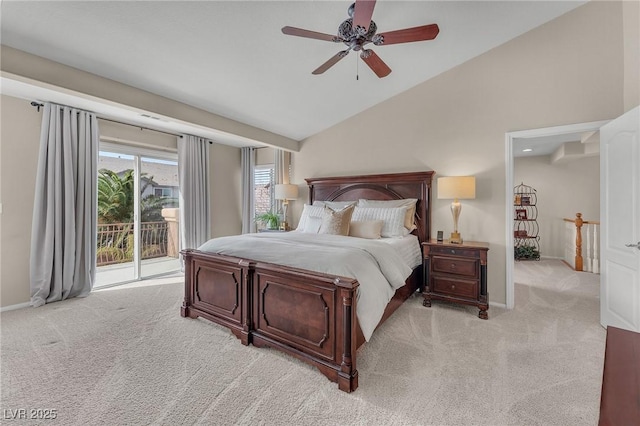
[456, 188]
[285, 192]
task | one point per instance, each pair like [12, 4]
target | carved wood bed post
[186, 303]
[249, 269]
[348, 374]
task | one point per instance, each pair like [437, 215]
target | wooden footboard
[217, 288]
[309, 315]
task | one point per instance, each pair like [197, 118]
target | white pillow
[312, 225]
[409, 203]
[393, 219]
[310, 217]
[371, 229]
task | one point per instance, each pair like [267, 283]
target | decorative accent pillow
[306, 224]
[393, 219]
[336, 222]
[409, 203]
[335, 205]
[371, 229]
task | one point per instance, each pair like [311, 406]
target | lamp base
[455, 238]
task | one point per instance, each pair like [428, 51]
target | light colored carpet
[127, 357]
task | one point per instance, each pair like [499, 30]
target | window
[163, 192]
[263, 184]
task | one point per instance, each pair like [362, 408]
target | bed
[309, 315]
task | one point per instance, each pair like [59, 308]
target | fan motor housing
[356, 37]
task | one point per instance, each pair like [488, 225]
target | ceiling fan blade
[363, 13]
[299, 32]
[376, 64]
[331, 62]
[425, 32]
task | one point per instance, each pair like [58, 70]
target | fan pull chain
[357, 68]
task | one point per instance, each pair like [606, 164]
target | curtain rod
[140, 127]
[39, 105]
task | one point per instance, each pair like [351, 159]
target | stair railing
[575, 246]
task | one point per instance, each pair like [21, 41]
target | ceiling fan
[358, 31]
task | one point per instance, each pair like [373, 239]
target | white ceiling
[231, 59]
[543, 145]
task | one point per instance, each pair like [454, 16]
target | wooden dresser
[456, 273]
[620, 399]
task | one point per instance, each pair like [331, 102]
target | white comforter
[377, 266]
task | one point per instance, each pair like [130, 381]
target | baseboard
[14, 307]
[498, 305]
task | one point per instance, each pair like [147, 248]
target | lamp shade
[457, 187]
[286, 191]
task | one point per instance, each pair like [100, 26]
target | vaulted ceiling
[230, 58]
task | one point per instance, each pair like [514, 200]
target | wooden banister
[579, 222]
[584, 222]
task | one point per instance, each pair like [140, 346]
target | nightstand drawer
[467, 289]
[453, 251]
[456, 266]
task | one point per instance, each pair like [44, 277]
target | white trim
[137, 219]
[509, 137]
[14, 307]
[509, 284]
[498, 305]
[161, 153]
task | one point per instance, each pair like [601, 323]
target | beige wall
[265, 156]
[19, 143]
[563, 189]
[631, 28]
[20, 135]
[226, 193]
[560, 73]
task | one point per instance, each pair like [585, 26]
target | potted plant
[269, 219]
[526, 252]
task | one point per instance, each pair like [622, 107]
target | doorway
[534, 135]
[138, 214]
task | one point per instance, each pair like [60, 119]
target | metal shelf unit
[525, 223]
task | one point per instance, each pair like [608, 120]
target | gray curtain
[281, 171]
[64, 227]
[193, 176]
[248, 192]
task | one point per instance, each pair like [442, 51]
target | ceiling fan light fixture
[378, 39]
[359, 30]
[351, 10]
[348, 33]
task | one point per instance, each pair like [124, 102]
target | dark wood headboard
[380, 187]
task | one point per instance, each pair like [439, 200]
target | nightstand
[457, 273]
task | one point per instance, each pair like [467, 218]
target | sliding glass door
[159, 218]
[138, 220]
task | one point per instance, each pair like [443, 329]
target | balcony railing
[115, 241]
